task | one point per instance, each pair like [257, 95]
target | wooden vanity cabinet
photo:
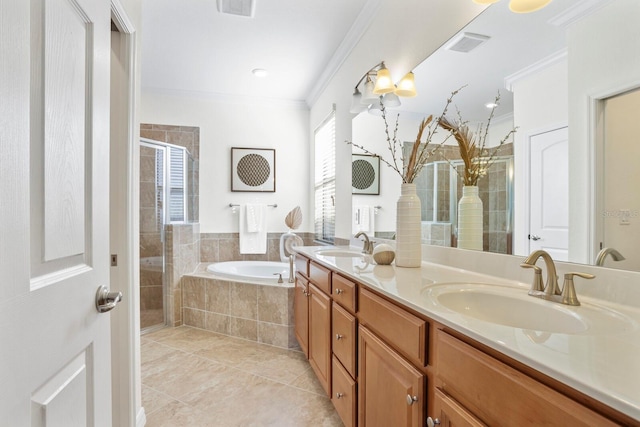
[450, 414]
[320, 324]
[391, 391]
[301, 312]
[475, 387]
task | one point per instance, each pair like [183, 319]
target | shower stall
[167, 196]
[440, 188]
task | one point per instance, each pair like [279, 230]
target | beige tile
[178, 414]
[284, 367]
[273, 305]
[309, 382]
[189, 340]
[193, 293]
[153, 400]
[193, 317]
[217, 296]
[272, 334]
[243, 300]
[243, 328]
[216, 323]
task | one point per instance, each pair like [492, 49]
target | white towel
[363, 219]
[253, 242]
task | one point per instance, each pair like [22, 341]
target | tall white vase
[470, 219]
[408, 228]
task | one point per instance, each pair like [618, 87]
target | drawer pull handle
[411, 399]
[339, 337]
[432, 422]
[339, 291]
[339, 395]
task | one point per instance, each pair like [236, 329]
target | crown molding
[579, 11]
[225, 98]
[357, 30]
[550, 60]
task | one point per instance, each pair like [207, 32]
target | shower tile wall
[151, 299]
[183, 136]
[182, 255]
[182, 241]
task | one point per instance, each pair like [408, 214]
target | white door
[549, 196]
[54, 203]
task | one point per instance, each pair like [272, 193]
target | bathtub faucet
[291, 269]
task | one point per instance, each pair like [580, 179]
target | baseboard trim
[141, 419]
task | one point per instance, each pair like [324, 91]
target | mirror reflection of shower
[167, 195]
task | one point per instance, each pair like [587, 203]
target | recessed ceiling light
[259, 72]
[491, 105]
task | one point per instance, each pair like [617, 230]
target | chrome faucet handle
[569, 296]
[537, 285]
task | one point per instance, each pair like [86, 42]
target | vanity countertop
[604, 364]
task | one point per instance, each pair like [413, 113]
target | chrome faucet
[367, 247]
[615, 255]
[551, 291]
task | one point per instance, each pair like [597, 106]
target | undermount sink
[345, 253]
[513, 307]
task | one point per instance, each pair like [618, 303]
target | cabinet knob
[339, 395]
[339, 337]
[339, 291]
[411, 399]
[431, 422]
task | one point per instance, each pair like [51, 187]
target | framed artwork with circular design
[253, 169]
[365, 174]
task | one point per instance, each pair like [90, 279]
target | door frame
[124, 207]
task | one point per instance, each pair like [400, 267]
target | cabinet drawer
[502, 396]
[344, 338]
[302, 265]
[344, 291]
[320, 276]
[344, 394]
[398, 327]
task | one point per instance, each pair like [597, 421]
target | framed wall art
[253, 169]
[365, 174]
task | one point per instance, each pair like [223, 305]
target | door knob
[534, 237]
[105, 300]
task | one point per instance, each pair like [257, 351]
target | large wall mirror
[568, 76]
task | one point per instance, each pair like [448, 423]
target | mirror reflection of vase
[408, 228]
[470, 219]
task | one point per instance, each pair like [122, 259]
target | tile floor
[197, 378]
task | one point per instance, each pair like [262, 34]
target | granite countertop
[601, 363]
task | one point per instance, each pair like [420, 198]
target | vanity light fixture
[520, 6]
[379, 86]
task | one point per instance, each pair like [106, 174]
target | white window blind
[177, 187]
[325, 180]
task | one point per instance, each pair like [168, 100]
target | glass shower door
[153, 160]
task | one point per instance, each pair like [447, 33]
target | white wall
[226, 123]
[601, 64]
[402, 35]
[540, 103]
[368, 131]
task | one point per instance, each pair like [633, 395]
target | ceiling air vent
[466, 42]
[237, 7]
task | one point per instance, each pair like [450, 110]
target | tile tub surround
[256, 312]
[218, 247]
[603, 366]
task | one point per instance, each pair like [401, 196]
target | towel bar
[233, 205]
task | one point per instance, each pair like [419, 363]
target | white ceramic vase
[470, 219]
[408, 228]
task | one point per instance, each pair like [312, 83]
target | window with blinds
[174, 187]
[325, 180]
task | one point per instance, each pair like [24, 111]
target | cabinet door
[451, 414]
[320, 336]
[391, 390]
[301, 313]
